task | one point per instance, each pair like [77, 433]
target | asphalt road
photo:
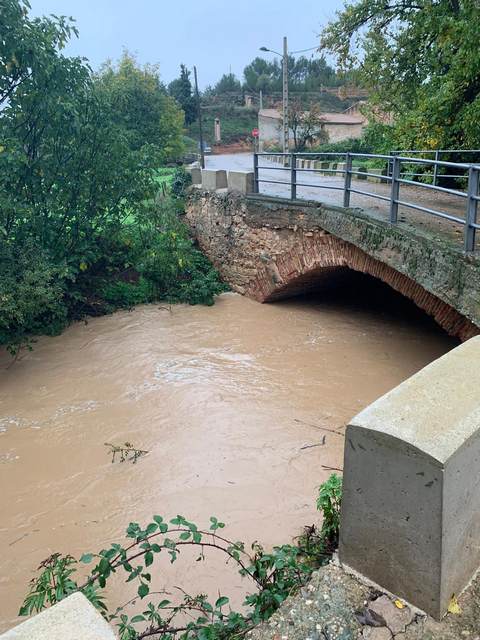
[330, 191]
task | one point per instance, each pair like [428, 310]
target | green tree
[181, 90]
[262, 74]
[27, 46]
[228, 83]
[143, 110]
[78, 179]
[420, 59]
[307, 126]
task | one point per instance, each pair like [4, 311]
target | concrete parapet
[196, 174]
[361, 173]
[411, 503]
[376, 177]
[73, 618]
[324, 165]
[241, 181]
[213, 180]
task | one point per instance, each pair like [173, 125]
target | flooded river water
[225, 399]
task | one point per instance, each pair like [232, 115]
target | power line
[304, 50]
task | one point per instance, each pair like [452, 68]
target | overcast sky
[217, 35]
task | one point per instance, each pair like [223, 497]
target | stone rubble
[334, 603]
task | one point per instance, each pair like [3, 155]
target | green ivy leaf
[138, 618]
[221, 602]
[143, 590]
[86, 558]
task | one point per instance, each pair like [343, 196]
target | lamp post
[284, 90]
[284, 57]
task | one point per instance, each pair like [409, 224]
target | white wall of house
[339, 132]
[339, 127]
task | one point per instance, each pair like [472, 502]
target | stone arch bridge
[269, 249]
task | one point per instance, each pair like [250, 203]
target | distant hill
[237, 121]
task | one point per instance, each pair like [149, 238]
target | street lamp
[285, 90]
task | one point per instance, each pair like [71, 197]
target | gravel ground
[337, 606]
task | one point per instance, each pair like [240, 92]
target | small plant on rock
[329, 502]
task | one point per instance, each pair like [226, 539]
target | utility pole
[261, 99]
[285, 96]
[199, 108]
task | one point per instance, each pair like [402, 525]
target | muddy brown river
[225, 399]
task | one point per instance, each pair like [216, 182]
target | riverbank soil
[337, 606]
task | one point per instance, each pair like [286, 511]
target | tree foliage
[143, 110]
[79, 213]
[420, 59]
[306, 125]
[181, 90]
[304, 74]
[228, 83]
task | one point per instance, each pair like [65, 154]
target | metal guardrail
[468, 173]
[472, 154]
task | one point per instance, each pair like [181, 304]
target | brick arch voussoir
[295, 270]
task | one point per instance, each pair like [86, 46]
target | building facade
[338, 126]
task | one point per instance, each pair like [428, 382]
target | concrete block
[73, 618]
[241, 181]
[374, 178]
[325, 165]
[340, 167]
[196, 174]
[411, 505]
[361, 170]
[213, 180]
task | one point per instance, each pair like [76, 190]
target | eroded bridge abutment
[269, 249]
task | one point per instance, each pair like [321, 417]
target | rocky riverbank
[335, 605]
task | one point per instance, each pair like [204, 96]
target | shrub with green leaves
[329, 503]
[81, 193]
[272, 576]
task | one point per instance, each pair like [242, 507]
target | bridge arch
[306, 267]
[270, 250]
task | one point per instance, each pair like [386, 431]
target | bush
[85, 222]
[180, 181]
[273, 576]
[121, 294]
[31, 296]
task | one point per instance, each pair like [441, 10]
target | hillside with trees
[311, 81]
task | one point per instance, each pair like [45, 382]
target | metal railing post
[348, 180]
[472, 206]
[255, 172]
[395, 190]
[293, 176]
[435, 168]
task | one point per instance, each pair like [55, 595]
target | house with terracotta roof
[339, 126]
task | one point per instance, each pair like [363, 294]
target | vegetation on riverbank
[273, 576]
[431, 92]
[87, 222]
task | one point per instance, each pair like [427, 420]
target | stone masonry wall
[268, 249]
